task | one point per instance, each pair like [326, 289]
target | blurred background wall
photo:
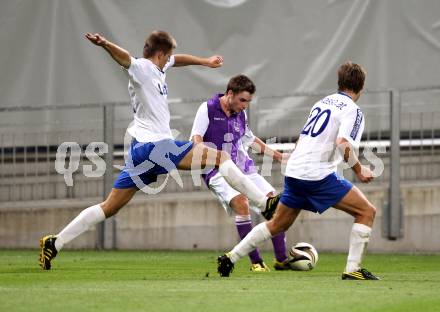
[283, 45]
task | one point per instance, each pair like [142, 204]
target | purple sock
[244, 226]
[279, 246]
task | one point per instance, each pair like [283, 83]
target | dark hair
[157, 41]
[239, 84]
[351, 76]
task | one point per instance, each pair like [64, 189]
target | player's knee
[276, 226]
[240, 205]
[372, 211]
[242, 209]
[369, 212]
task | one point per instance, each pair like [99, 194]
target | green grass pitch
[187, 281]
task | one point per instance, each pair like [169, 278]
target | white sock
[242, 218]
[359, 237]
[87, 218]
[242, 183]
[259, 234]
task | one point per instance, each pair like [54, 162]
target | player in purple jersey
[153, 150]
[221, 122]
[335, 124]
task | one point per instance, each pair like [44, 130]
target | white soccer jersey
[201, 121]
[315, 157]
[148, 93]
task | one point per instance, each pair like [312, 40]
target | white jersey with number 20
[315, 157]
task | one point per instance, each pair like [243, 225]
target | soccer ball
[303, 257]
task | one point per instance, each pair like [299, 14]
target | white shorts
[225, 193]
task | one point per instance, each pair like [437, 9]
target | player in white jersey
[221, 122]
[335, 124]
[153, 150]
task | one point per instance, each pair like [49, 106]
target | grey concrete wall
[196, 221]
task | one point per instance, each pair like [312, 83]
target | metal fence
[403, 125]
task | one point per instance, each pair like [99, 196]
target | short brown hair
[239, 84]
[351, 76]
[158, 40]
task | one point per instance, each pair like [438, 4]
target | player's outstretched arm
[262, 148]
[363, 173]
[120, 55]
[187, 59]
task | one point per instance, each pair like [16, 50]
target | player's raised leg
[50, 245]
[356, 204]
[201, 156]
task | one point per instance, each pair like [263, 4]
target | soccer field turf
[187, 281]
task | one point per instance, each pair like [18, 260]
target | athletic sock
[359, 237]
[87, 218]
[242, 183]
[259, 234]
[279, 247]
[244, 227]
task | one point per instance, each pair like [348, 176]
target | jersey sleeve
[352, 126]
[201, 121]
[138, 70]
[248, 137]
[169, 64]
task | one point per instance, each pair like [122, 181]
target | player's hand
[285, 158]
[96, 39]
[215, 61]
[365, 175]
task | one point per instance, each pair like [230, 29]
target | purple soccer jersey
[226, 133]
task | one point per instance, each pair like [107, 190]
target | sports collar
[342, 93]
